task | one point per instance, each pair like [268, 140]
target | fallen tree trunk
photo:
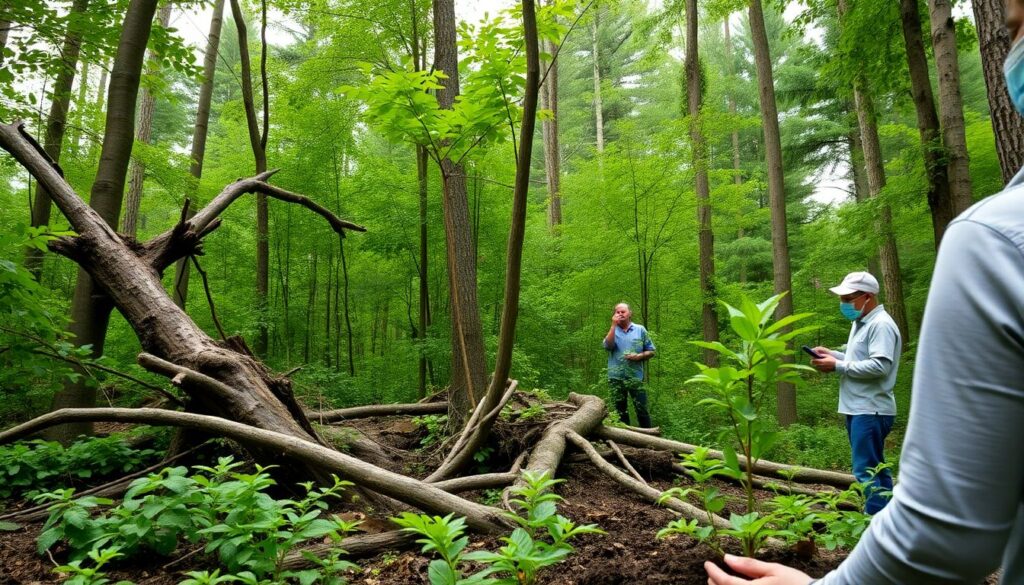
[410, 491]
[547, 454]
[372, 410]
[356, 547]
[800, 474]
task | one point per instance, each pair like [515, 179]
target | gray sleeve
[882, 342]
[959, 490]
[838, 354]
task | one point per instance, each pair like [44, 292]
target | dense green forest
[421, 236]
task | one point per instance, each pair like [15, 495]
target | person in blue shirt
[628, 345]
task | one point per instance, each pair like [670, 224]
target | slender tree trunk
[260, 154]
[698, 144]
[424, 298]
[101, 96]
[5, 30]
[310, 309]
[469, 365]
[199, 133]
[861, 190]
[552, 152]
[786, 393]
[80, 104]
[90, 308]
[1008, 126]
[940, 199]
[348, 318]
[737, 173]
[951, 106]
[56, 124]
[598, 104]
[143, 131]
[887, 252]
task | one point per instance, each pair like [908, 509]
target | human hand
[761, 572]
[822, 350]
[633, 357]
[616, 319]
[826, 363]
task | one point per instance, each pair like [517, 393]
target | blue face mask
[1013, 70]
[850, 312]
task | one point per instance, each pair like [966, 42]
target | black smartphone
[811, 352]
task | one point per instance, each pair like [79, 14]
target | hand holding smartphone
[811, 352]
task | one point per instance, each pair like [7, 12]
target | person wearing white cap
[867, 374]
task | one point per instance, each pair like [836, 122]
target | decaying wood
[410, 491]
[649, 493]
[356, 547]
[547, 454]
[625, 462]
[372, 410]
[800, 474]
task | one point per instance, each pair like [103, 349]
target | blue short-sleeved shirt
[634, 339]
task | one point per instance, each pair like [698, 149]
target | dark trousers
[867, 433]
[622, 389]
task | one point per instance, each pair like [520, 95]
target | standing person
[867, 374]
[628, 345]
[959, 508]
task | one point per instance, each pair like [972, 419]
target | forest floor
[628, 553]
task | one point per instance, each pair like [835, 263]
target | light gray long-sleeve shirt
[867, 369]
[957, 511]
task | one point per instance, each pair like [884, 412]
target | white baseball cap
[856, 282]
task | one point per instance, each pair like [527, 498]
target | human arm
[882, 340]
[763, 573]
[646, 353]
[609, 339]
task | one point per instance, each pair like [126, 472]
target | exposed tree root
[800, 474]
[547, 454]
[342, 414]
[359, 546]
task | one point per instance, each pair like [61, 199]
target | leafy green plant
[79, 575]
[434, 424]
[445, 536]
[738, 389]
[753, 529]
[701, 468]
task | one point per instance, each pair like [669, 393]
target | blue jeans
[867, 433]
[622, 389]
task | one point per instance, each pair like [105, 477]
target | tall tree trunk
[861, 190]
[892, 277]
[424, 274]
[348, 318]
[737, 173]
[698, 144]
[5, 30]
[785, 393]
[143, 131]
[1008, 126]
[469, 364]
[598, 104]
[80, 104]
[90, 307]
[56, 124]
[940, 198]
[552, 152]
[101, 96]
[199, 134]
[260, 154]
[951, 106]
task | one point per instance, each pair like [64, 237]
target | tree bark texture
[951, 105]
[90, 309]
[56, 124]
[698, 146]
[888, 254]
[143, 131]
[940, 198]
[782, 278]
[259, 152]
[1008, 126]
[199, 134]
[469, 365]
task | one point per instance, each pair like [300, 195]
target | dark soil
[628, 553]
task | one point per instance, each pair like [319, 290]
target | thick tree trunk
[785, 393]
[199, 134]
[56, 124]
[598, 104]
[469, 365]
[260, 155]
[940, 199]
[698, 145]
[90, 309]
[1008, 126]
[552, 152]
[951, 106]
[143, 131]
